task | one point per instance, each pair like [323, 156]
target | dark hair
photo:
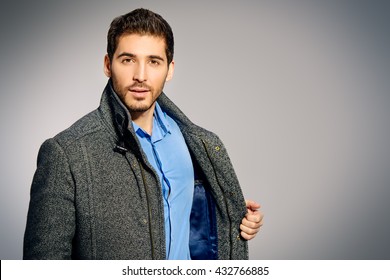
[142, 22]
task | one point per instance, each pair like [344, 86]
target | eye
[127, 60]
[154, 62]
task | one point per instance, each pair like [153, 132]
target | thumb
[252, 205]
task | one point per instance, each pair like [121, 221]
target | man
[135, 179]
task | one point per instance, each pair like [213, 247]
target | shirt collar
[161, 118]
[160, 125]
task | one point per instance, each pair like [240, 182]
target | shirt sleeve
[51, 219]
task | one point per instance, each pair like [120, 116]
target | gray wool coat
[95, 196]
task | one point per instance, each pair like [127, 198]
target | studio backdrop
[298, 91]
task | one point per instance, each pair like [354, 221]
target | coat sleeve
[51, 219]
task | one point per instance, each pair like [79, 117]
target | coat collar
[118, 118]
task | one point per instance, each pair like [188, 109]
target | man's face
[139, 70]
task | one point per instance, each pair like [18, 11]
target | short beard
[133, 108]
[139, 109]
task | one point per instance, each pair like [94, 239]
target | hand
[253, 220]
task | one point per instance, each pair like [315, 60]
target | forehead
[141, 44]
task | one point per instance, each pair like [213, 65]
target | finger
[255, 217]
[253, 205]
[248, 230]
[251, 224]
[247, 236]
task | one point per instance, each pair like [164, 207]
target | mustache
[139, 85]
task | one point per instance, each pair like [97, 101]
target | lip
[139, 92]
[139, 89]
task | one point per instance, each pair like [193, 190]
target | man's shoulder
[187, 127]
[88, 125]
[201, 132]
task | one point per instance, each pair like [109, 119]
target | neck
[144, 119]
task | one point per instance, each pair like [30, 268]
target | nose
[140, 73]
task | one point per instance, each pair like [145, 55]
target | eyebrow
[133, 55]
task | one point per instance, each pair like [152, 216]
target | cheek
[121, 74]
[158, 78]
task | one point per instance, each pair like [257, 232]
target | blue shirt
[167, 152]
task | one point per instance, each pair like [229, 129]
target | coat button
[238, 237]
[145, 221]
[217, 148]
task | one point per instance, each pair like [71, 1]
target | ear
[171, 68]
[107, 66]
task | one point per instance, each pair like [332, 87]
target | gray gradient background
[298, 90]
